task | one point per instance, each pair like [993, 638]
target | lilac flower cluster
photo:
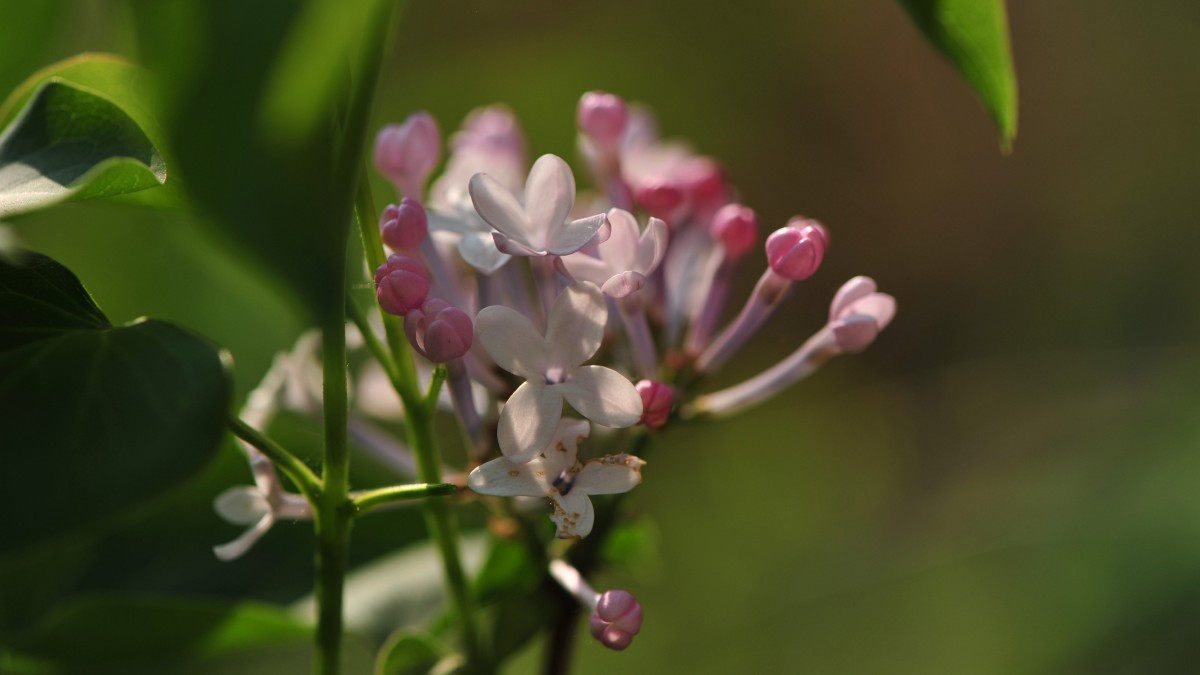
[534, 295]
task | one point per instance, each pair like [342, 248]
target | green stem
[306, 481]
[440, 521]
[372, 499]
[435, 388]
[334, 511]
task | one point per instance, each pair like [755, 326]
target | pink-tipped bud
[406, 153]
[401, 284]
[795, 251]
[439, 331]
[736, 227]
[660, 198]
[407, 227]
[703, 182]
[603, 117]
[617, 618]
[657, 400]
[858, 313]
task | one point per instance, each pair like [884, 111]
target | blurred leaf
[314, 62]
[508, 570]
[26, 32]
[121, 634]
[98, 419]
[633, 545]
[70, 143]
[407, 653]
[285, 201]
[973, 34]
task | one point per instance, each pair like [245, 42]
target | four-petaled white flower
[538, 227]
[557, 473]
[551, 366]
[625, 260]
[259, 506]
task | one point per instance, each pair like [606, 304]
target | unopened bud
[660, 198]
[617, 618]
[657, 401]
[603, 117]
[858, 313]
[401, 284]
[407, 227]
[736, 227]
[439, 331]
[406, 153]
[795, 251]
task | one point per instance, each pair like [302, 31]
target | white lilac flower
[552, 367]
[539, 226]
[259, 506]
[557, 473]
[625, 260]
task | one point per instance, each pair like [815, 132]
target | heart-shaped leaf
[97, 419]
[973, 34]
[72, 143]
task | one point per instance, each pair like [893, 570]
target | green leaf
[115, 633]
[71, 143]
[28, 34]
[98, 419]
[973, 34]
[408, 653]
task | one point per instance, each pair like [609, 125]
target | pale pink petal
[528, 420]
[651, 247]
[549, 196]
[503, 477]
[623, 284]
[513, 246]
[854, 333]
[583, 267]
[879, 306]
[576, 234]
[573, 513]
[238, 547]
[620, 251]
[609, 475]
[512, 341]
[858, 287]
[603, 396]
[499, 207]
[479, 251]
[576, 326]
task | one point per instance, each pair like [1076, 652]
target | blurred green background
[1006, 482]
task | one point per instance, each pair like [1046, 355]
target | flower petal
[623, 284]
[549, 196]
[528, 420]
[498, 207]
[609, 475]
[503, 477]
[572, 236]
[621, 248]
[513, 246]
[238, 547]
[512, 341]
[855, 289]
[576, 325]
[602, 395]
[562, 453]
[480, 252]
[242, 505]
[573, 513]
[583, 267]
[651, 247]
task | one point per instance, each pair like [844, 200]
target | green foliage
[71, 143]
[973, 34]
[408, 653]
[98, 418]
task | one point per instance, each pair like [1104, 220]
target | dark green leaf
[509, 570]
[27, 33]
[407, 653]
[98, 419]
[70, 143]
[973, 34]
[111, 634]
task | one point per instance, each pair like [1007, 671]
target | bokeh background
[1007, 481]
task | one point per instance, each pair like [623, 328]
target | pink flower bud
[736, 227]
[660, 198]
[657, 400]
[618, 617]
[406, 153]
[439, 331]
[407, 227]
[795, 251]
[401, 284]
[603, 117]
[703, 182]
[858, 313]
